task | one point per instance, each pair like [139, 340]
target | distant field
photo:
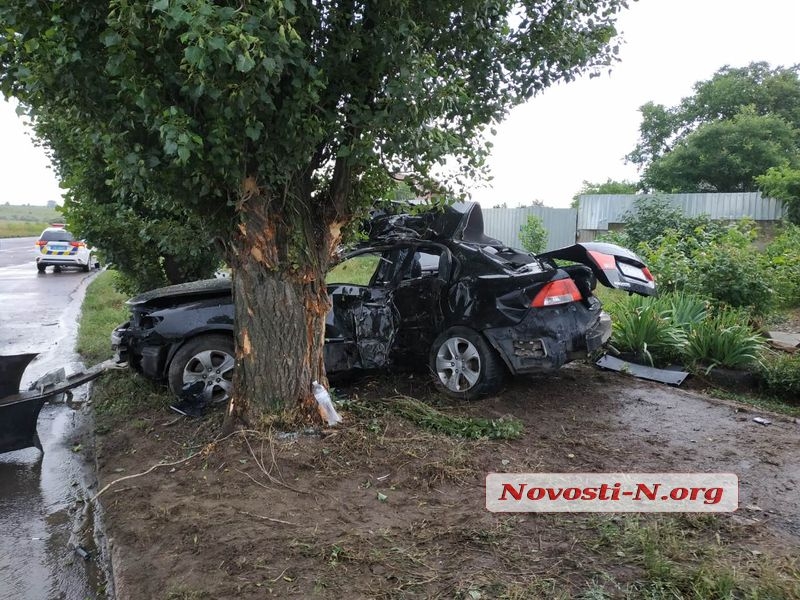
[25, 221]
[9, 229]
[36, 214]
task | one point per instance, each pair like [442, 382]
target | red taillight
[647, 274]
[604, 261]
[77, 244]
[41, 243]
[556, 292]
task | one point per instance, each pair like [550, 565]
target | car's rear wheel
[209, 359]
[465, 365]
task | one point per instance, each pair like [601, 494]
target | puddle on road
[44, 509]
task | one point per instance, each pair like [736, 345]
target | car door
[363, 320]
[417, 295]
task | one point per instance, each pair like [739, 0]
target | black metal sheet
[613, 363]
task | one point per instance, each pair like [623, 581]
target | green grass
[103, 309]
[355, 271]
[117, 394]
[763, 401]
[425, 416]
[688, 556]
[12, 229]
[37, 214]
[26, 221]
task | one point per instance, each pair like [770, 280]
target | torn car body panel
[19, 411]
[417, 277]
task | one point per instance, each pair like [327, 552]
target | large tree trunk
[281, 303]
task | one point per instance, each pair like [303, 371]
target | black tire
[464, 365]
[41, 268]
[208, 358]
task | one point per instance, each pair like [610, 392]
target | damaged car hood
[184, 291]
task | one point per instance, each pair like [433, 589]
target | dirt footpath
[383, 509]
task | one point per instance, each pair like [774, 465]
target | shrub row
[714, 260]
[680, 327]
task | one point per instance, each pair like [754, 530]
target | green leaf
[160, 5]
[244, 63]
[110, 38]
[216, 42]
[194, 55]
[253, 132]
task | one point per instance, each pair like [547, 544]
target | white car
[57, 248]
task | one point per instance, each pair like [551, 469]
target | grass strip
[103, 309]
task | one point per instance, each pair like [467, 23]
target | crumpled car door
[360, 328]
[375, 322]
[614, 266]
[363, 321]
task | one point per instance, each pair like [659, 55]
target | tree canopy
[736, 126]
[609, 186]
[275, 122]
[783, 183]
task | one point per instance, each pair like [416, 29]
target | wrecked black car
[427, 290]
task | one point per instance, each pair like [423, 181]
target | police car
[57, 248]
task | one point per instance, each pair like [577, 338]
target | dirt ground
[383, 509]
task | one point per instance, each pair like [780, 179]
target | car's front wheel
[208, 359]
[465, 365]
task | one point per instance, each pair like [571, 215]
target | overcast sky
[572, 132]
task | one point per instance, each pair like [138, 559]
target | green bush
[533, 235]
[711, 260]
[723, 340]
[780, 264]
[781, 375]
[732, 276]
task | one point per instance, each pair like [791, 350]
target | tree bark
[281, 301]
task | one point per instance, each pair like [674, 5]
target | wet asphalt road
[42, 509]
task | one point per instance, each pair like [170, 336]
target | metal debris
[612, 363]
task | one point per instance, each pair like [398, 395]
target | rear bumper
[549, 338]
[51, 261]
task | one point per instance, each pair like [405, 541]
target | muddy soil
[381, 508]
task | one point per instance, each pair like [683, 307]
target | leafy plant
[783, 183]
[686, 310]
[781, 375]
[533, 235]
[724, 340]
[644, 327]
[780, 264]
